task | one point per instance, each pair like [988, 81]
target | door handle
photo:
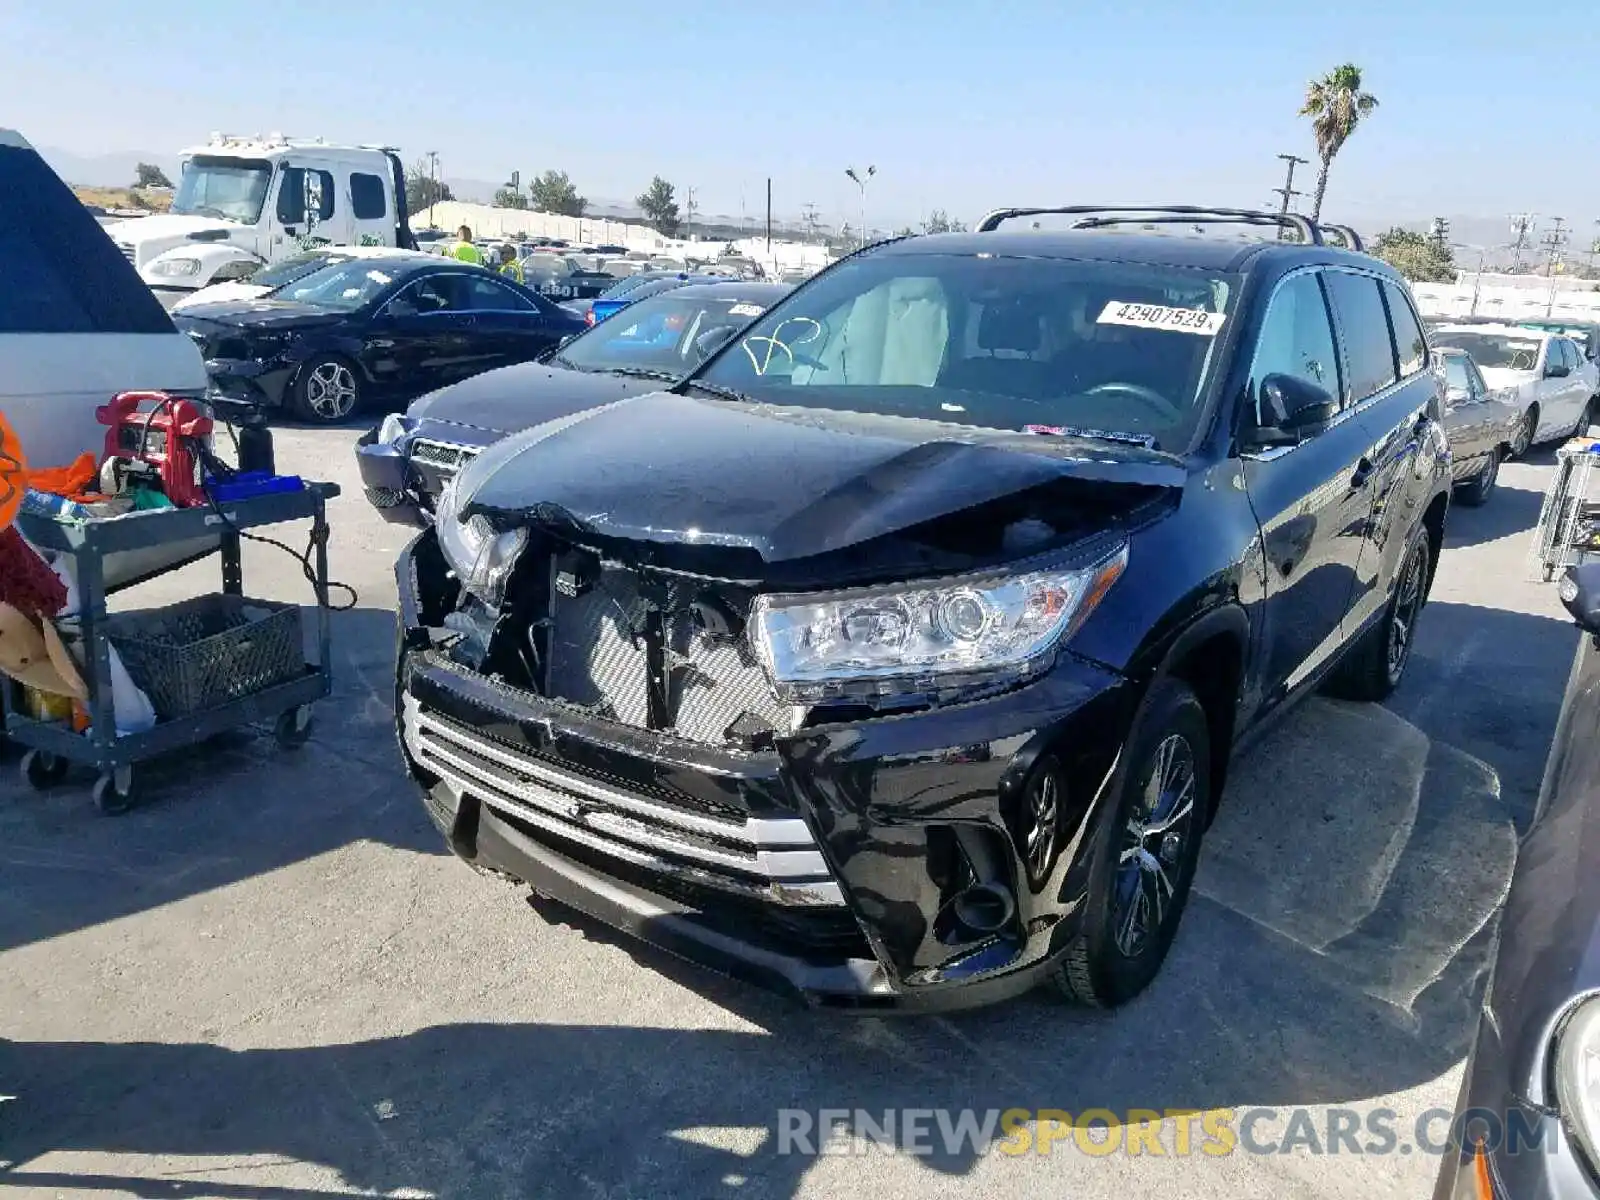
[1363, 472]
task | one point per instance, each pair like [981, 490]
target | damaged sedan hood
[784, 483]
[518, 397]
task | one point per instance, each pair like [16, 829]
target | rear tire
[1476, 492]
[326, 390]
[1374, 666]
[1139, 882]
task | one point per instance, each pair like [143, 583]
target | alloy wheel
[1524, 435]
[1044, 822]
[1153, 846]
[1407, 606]
[331, 391]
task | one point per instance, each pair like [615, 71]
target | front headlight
[394, 430]
[1577, 1075]
[926, 637]
[171, 267]
[481, 556]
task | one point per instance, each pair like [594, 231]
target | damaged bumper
[877, 863]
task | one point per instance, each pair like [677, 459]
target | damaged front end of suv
[832, 737]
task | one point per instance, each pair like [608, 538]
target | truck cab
[242, 202]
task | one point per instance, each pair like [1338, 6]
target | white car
[279, 274]
[1544, 375]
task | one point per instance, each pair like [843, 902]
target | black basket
[201, 653]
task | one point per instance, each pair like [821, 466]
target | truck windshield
[993, 341]
[230, 189]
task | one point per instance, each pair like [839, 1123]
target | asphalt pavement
[270, 981]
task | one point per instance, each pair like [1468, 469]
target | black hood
[784, 484]
[260, 314]
[516, 398]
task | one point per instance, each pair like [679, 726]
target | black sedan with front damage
[405, 461]
[896, 657]
[376, 331]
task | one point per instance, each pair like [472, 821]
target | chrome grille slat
[776, 859]
[443, 456]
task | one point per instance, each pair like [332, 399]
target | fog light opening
[984, 909]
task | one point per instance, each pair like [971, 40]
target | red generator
[156, 434]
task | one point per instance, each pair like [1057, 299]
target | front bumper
[402, 480]
[828, 867]
[262, 383]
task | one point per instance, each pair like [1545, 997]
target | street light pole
[433, 184]
[861, 182]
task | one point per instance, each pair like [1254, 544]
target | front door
[1311, 500]
[417, 341]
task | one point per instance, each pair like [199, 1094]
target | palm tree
[1335, 103]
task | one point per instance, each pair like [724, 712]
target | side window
[431, 295]
[368, 201]
[1296, 339]
[1480, 389]
[486, 295]
[1568, 355]
[1410, 346]
[321, 193]
[1457, 379]
[303, 189]
[1364, 327]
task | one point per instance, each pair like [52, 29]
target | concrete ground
[270, 981]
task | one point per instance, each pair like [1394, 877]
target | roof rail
[1352, 239]
[1100, 215]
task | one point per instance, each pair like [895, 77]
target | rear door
[1312, 500]
[1397, 403]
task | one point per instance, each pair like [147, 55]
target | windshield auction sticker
[1159, 316]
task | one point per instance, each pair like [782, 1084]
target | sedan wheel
[327, 391]
[1523, 438]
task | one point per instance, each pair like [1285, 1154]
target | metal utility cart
[1568, 532]
[216, 695]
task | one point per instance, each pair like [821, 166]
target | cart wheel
[293, 727]
[43, 769]
[115, 793]
[1549, 574]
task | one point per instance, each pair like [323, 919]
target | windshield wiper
[721, 392]
[640, 373]
[1143, 440]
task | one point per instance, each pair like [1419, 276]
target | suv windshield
[665, 333]
[994, 342]
[344, 286]
[233, 189]
[1493, 349]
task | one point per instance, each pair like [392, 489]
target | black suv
[896, 656]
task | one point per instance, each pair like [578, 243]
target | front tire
[1522, 439]
[1139, 883]
[1375, 665]
[1476, 492]
[326, 390]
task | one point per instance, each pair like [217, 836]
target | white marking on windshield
[1160, 316]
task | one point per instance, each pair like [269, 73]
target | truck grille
[444, 457]
[128, 253]
[772, 860]
[599, 658]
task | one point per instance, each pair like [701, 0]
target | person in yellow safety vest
[510, 264]
[464, 249]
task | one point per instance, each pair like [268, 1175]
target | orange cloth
[76, 482]
[13, 473]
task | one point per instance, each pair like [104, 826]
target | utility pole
[808, 218]
[433, 184]
[1521, 225]
[1553, 242]
[688, 211]
[769, 214]
[1287, 192]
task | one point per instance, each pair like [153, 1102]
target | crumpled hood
[172, 227]
[519, 397]
[260, 314]
[785, 483]
[1505, 377]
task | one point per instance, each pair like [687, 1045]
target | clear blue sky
[1485, 108]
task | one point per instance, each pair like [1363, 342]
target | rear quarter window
[59, 272]
[1411, 347]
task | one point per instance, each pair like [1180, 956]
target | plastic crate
[201, 653]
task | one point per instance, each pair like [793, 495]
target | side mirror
[1580, 595]
[1291, 408]
[1556, 371]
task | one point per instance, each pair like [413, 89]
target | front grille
[443, 456]
[599, 659]
[772, 860]
[129, 253]
[382, 497]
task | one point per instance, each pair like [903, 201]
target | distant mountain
[105, 170]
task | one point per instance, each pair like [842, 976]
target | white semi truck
[245, 201]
